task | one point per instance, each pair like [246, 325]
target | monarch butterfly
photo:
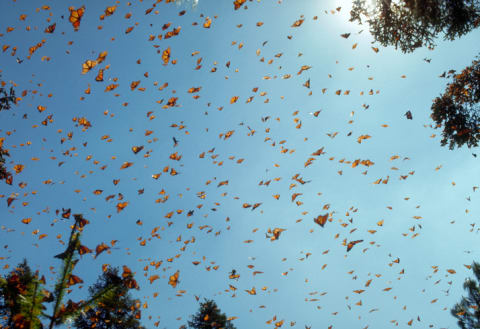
[126, 272]
[73, 279]
[76, 16]
[99, 77]
[253, 291]
[166, 56]
[66, 213]
[121, 206]
[238, 3]
[173, 279]
[208, 23]
[321, 220]
[298, 22]
[88, 65]
[352, 243]
[101, 57]
[172, 33]
[50, 28]
[108, 12]
[136, 149]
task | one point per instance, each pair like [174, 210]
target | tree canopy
[467, 311]
[7, 98]
[411, 24]
[209, 316]
[23, 296]
[458, 108]
[116, 309]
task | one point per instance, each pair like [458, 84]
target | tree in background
[209, 316]
[116, 309]
[6, 98]
[458, 109]
[4, 174]
[468, 310]
[23, 296]
[411, 24]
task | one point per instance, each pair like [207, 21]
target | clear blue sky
[437, 190]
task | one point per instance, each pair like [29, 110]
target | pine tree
[458, 108]
[23, 297]
[468, 310]
[4, 174]
[209, 316]
[7, 98]
[115, 309]
[411, 24]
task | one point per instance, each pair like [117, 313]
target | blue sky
[437, 190]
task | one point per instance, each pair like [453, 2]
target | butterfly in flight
[173, 280]
[321, 220]
[352, 243]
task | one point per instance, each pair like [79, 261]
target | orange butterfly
[238, 3]
[298, 23]
[352, 243]
[136, 149]
[76, 16]
[321, 220]
[208, 23]
[99, 77]
[172, 33]
[51, 28]
[108, 12]
[73, 279]
[173, 280]
[101, 57]
[88, 65]
[166, 56]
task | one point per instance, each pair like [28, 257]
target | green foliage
[458, 109]
[410, 24]
[23, 298]
[209, 316]
[468, 310]
[113, 306]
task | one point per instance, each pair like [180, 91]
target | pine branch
[60, 287]
[33, 304]
[92, 302]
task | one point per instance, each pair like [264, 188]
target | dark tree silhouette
[209, 316]
[7, 98]
[116, 309]
[468, 310]
[458, 109]
[23, 296]
[410, 24]
[4, 173]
